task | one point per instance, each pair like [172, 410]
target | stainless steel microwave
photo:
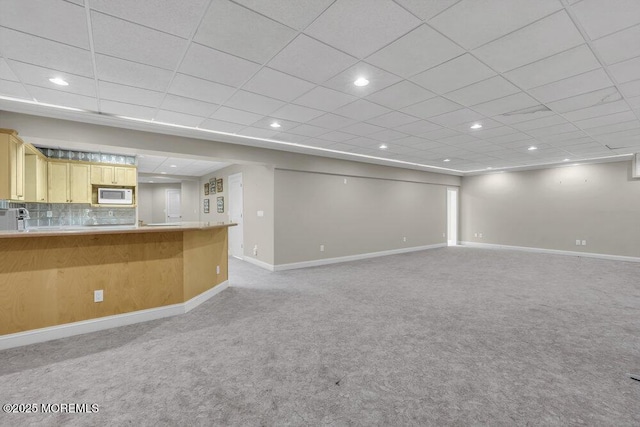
[115, 196]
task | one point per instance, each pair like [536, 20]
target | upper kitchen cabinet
[35, 175]
[114, 175]
[11, 165]
[69, 182]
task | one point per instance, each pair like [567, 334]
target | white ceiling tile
[297, 14]
[426, 9]
[188, 106]
[331, 121]
[254, 103]
[257, 132]
[507, 104]
[393, 119]
[458, 139]
[524, 114]
[472, 23]
[65, 99]
[552, 130]
[626, 71]
[400, 95]
[113, 36]
[406, 56]
[572, 86]
[311, 60]
[289, 137]
[13, 89]
[453, 74]
[574, 61]
[431, 107]
[440, 133]
[308, 130]
[178, 118]
[297, 113]
[546, 37]
[130, 73]
[210, 64]
[164, 15]
[631, 89]
[417, 128]
[361, 110]
[606, 120]
[362, 129]
[565, 138]
[39, 76]
[316, 142]
[221, 126]
[585, 100]
[483, 121]
[597, 110]
[494, 132]
[634, 101]
[203, 90]
[127, 110]
[540, 123]
[232, 115]
[616, 127]
[602, 17]
[485, 90]
[358, 29]
[5, 72]
[387, 135]
[417, 143]
[54, 20]
[455, 117]
[38, 51]
[378, 79]
[234, 29]
[324, 99]
[277, 85]
[337, 136]
[619, 46]
[130, 95]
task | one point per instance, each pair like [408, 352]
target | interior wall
[360, 216]
[152, 202]
[190, 200]
[552, 208]
[258, 188]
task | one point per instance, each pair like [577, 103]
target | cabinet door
[16, 169]
[41, 179]
[58, 174]
[131, 177]
[79, 184]
[102, 175]
[125, 176]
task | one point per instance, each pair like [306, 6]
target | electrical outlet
[217, 269]
[345, 180]
[584, 243]
[98, 296]
[255, 250]
[260, 213]
[475, 234]
[480, 235]
[444, 235]
[110, 213]
[404, 239]
[49, 214]
[577, 242]
[321, 248]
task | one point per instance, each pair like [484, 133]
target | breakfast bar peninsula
[65, 281]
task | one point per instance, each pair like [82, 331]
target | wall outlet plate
[98, 296]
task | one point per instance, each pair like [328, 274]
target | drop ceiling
[560, 76]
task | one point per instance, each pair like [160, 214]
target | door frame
[453, 215]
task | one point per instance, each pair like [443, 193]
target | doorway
[174, 205]
[452, 216]
[236, 204]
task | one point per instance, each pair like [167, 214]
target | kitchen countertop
[111, 229]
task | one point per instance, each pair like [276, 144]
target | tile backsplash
[64, 214]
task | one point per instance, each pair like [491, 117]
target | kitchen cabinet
[11, 165]
[35, 175]
[114, 175]
[69, 182]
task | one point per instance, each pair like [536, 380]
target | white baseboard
[325, 261]
[93, 325]
[259, 263]
[552, 251]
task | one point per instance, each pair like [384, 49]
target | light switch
[260, 213]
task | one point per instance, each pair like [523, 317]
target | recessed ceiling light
[59, 81]
[489, 167]
[533, 147]
[173, 166]
[383, 147]
[566, 160]
[275, 125]
[476, 126]
[361, 81]
[151, 182]
[163, 173]
[446, 160]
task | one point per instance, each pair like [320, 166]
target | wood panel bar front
[49, 280]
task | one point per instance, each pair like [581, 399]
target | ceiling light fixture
[173, 166]
[163, 173]
[59, 81]
[275, 125]
[383, 147]
[361, 81]
[566, 160]
[446, 160]
[533, 147]
[489, 168]
[476, 126]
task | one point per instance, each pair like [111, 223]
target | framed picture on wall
[206, 205]
[220, 204]
[212, 186]
[206, 189]
[219, 185]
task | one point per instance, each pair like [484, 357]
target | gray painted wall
[152, 201]
[552, 208]
[362, 216]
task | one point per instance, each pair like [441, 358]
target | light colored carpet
[455, 336]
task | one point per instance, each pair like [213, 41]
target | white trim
[552, 251]
[259, 263]
[93, 325]
[325, 261]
